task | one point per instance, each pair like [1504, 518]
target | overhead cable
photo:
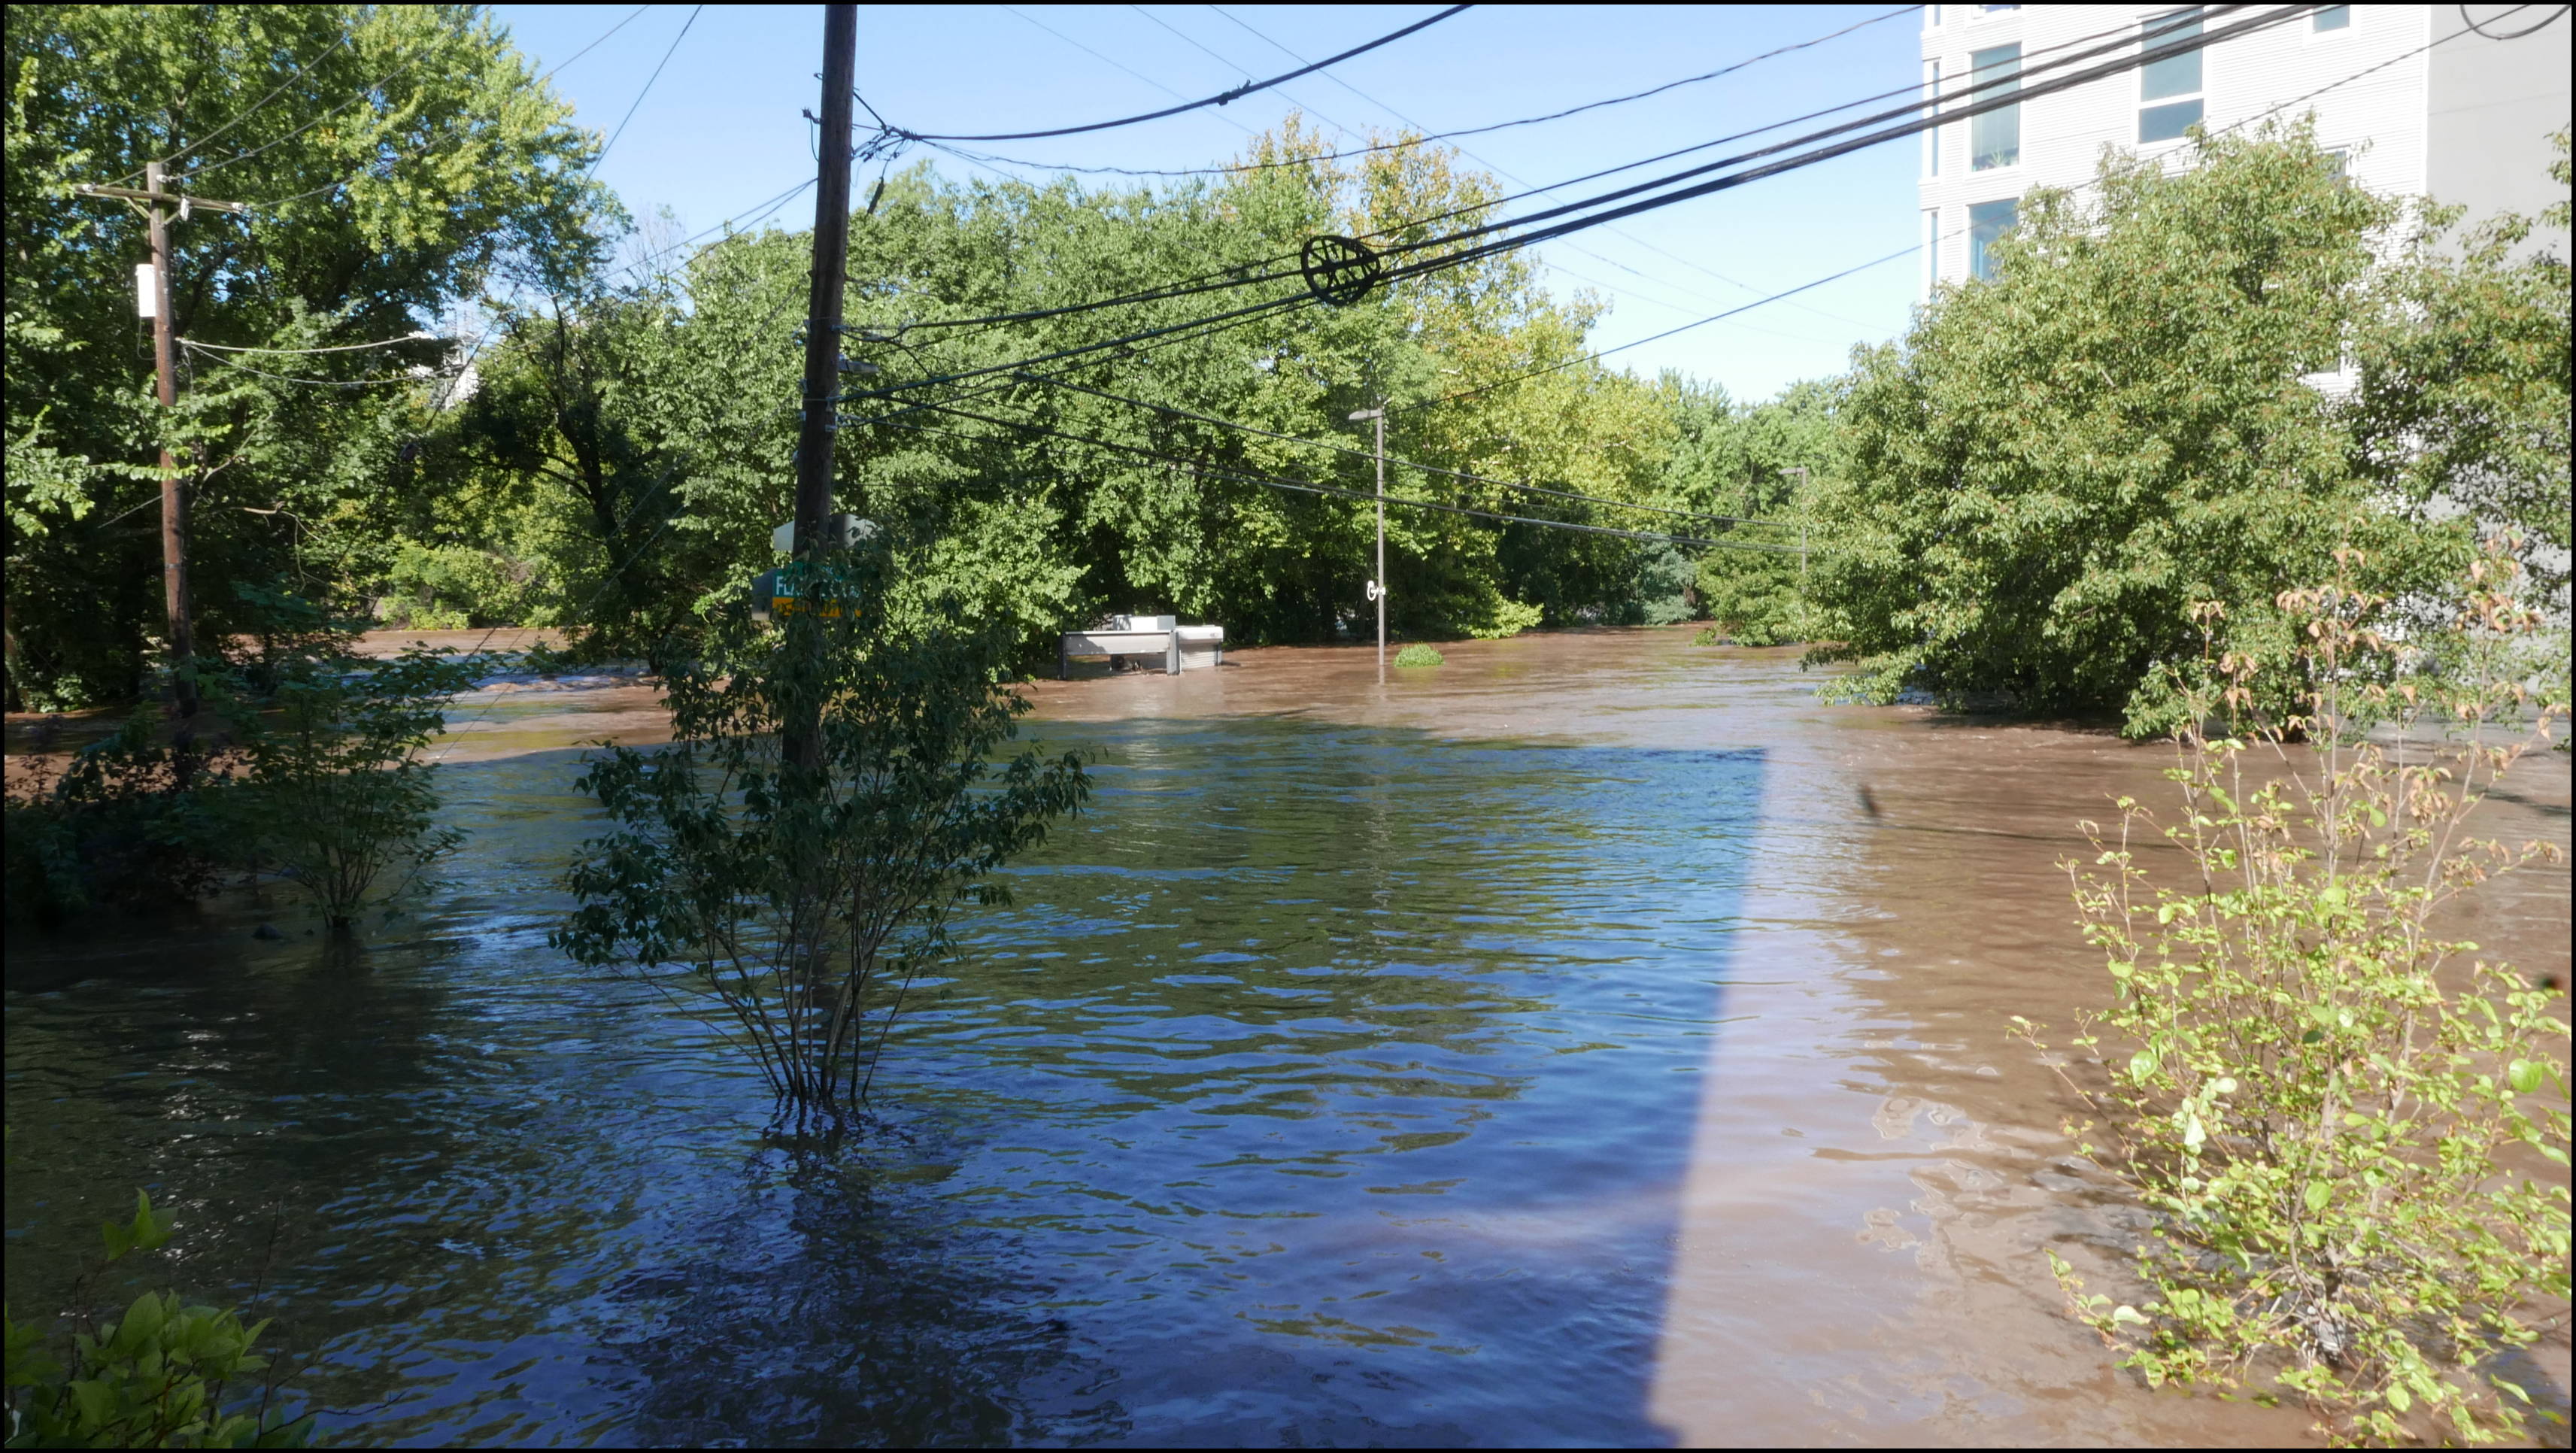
[387, 80]
[640, 95]
[594, 45]
[1219, 99]
[1434, 263]
[2023, 90]
[335, 348]
[1396, 460]
[2118, 36]
[1443, 135]
[253, 109]
[1954, 233]
[1337, 492]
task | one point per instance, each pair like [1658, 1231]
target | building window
[1936, 17]
[2333, 17]
[1994, 137]
[1932, 134]
[1931, 249]
[1986, 222]
[2169, 89]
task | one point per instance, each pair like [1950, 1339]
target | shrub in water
[803, 896]
[2341, 1120]
[153, 1378]
[337, 799]
[1418, 654]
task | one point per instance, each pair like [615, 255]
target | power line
[2118, 37]
[1919, 123]
[1343, 449]
[1499, 170]
[1105, 60]
[389, 77]
[341, 383]
[1906, 251]
[2022, 91]
[594, 45]
[291, 78]
[1443, 135]
[335, 348]
[1335, 491]
[648, 90]
[2271, 111]
[1219, 99]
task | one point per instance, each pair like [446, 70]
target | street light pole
[1377, 585]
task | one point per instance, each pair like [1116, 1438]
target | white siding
[2380, 115]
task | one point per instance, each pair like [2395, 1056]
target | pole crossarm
[129, 194]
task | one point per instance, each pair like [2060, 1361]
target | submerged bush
[804, 896]
[129, 825]
[337, 799]
[2341, 1120]
[1419, 654]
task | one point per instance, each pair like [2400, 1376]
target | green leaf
[2524, 1075]
[2142, 1065]
[2317, 1194]
[2399, 1398]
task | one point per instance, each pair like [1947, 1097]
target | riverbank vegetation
[2351, 1127]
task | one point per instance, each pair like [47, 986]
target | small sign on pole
[147, 295]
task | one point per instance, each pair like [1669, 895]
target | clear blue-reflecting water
[1323, 1085]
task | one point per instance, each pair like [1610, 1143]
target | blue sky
[721, 129]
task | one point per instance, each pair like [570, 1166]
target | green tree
[398, 159]
[1738, 460]
[2053, 468]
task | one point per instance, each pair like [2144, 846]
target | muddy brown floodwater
[1595, 1039]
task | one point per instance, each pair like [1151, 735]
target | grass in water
[1418, 654]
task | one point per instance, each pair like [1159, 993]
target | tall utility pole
[831, 261]
[155, 295]
[1377, 584]
[803, 736]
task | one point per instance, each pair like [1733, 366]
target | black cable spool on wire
[1340, 270]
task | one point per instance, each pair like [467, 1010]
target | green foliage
[131, 824]
[804, 894]
[2340, 1117]
[611, 458]
[451, 167]
[2463, 364]
[1745, 461]
[1419, 654]
[2055, 466]
[306, 764]
[153, 1378]
[335, 794]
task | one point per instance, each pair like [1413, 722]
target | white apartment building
[2455, 102]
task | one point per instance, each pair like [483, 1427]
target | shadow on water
[1323, 1085]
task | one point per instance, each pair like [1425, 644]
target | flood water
[1592, 1040]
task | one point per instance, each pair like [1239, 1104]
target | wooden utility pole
[803, 743]
[174, 503]
[831, 262]
[1377, 585]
